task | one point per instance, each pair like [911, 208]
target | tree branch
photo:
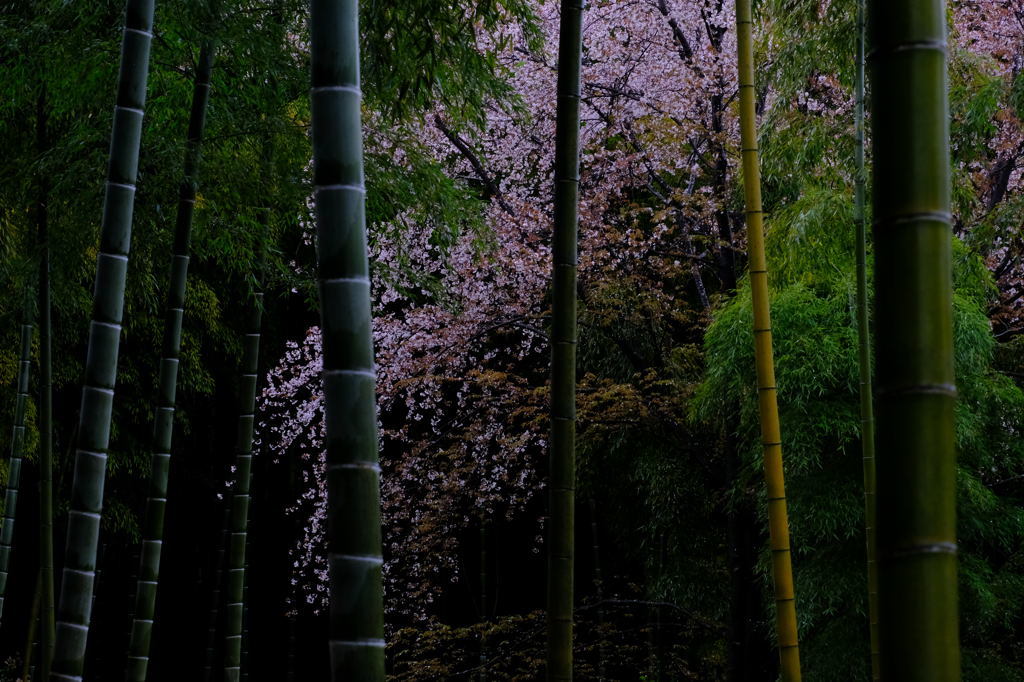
[493, 191]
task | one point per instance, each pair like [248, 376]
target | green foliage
[794, 62]
[798, 149]
[434, 57]
[805, 247]
[255, 156]
[652, 475]
[975, 95]
[1017, 94]
[10, 671]
[624, 639]
[816, 365]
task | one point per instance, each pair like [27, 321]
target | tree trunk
[771, 437]
[916, 391]
[349, 376]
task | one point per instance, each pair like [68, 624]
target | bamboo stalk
[595, 550]
[214, 617]
[17, 450]
[290, 673]
[163, 418]
[33, 622]
[867, 417]
[46, 622]
[349, 374]
[771, 435]
[239, 505]
[97, 592]
[244, 654]
[915, 389]
[482, 677]
[100, 375]
[562, 485]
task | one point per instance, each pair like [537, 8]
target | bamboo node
[337, 88]
[133, 110]
[911, 218]
[366, 559]
[340, 188]
[910, 45]
[917, 389]
[376, 643]
[372, 466]
[916, 550]
[76, 626]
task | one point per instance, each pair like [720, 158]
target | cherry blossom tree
[461, 362]
[461, 315]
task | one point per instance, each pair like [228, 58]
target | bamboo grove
[512, 339]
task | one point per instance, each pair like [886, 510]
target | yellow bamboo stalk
[771, 435]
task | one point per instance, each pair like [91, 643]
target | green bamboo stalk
[353, 470]
[96, 593]
[239, 505]
[915, 389]
[163, 418]
[30, 636]
[17, 450]
[771, 435]
[46, 623]
[214, 614]
[86, 505]
[46, 626]
[244, 655]
[867, 416]
[562, 485]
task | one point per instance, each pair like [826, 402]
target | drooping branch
[491, 186]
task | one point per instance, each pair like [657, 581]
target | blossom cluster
[462, 364]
